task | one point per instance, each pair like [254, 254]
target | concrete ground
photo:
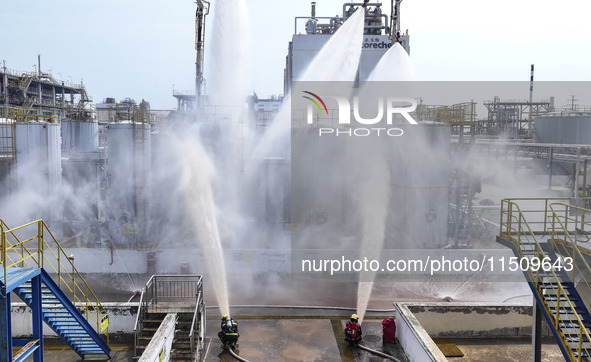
[63, 353]
[288, 334]
[504, 350]
[319, 340]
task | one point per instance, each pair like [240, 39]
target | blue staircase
[63, 318]
[22, 273]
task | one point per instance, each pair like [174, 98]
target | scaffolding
[513, 118]
[38, 96]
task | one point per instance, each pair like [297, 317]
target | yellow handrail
[560, 234]
[515, 228]
[43, 250]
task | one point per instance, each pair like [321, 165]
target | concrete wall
[463, 320]
[173, 261]
[121, 321]
[416, 342]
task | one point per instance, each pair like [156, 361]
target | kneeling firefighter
[229, 334]
[353, 331]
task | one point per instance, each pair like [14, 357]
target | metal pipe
[550, 168]
[381, 354]
[236, 356]
[308, 307]
[356, 4]
[295, 21]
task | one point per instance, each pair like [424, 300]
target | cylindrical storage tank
[420, 164]
[129, 168]
[80, 137]
[81, 173]
[7, 157]
[39, 170]
[567, 129]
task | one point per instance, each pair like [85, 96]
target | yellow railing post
[579, 350]
[545, 213]
[509, 220]
[71, 258]
[3, 255]
[40, 246]
[59, 269]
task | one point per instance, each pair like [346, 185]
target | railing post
[40, 246]
[3, 258]
[71, 258]
[545, 213]
[565, 218]
[579, 350]
[558, 304]
[502, 212]
[59, 269]
[509, 220]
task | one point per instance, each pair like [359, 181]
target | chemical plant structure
[93, 172]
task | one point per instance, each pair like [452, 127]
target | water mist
[375, 191]
[195, 182]
[374, 201]
[338, 60]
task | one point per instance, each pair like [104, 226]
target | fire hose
[236, 356]
[378, 353]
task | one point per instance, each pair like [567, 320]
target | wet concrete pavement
[303, 339]
[63, 353]
[279, 340]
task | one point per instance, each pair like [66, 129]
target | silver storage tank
[566, 129]
[420, 164]
[39, 169]
[80, 137]
[129, 168]
[82, 175]
[7, 157]
[335, 180]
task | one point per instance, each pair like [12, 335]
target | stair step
[574, 325]
[553, 298]
[575, 339]
[567, 311]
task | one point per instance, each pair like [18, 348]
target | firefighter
[353, 331]
[229, 334]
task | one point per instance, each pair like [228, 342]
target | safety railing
[198, 312]
[172, 289]
[139, 322]
[524, 234]
[33, 245]
[568, 224]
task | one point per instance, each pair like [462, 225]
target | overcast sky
[143, 48]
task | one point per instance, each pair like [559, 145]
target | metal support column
[536, 333]
[5, 329]
[550, 168]
[37, 311]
